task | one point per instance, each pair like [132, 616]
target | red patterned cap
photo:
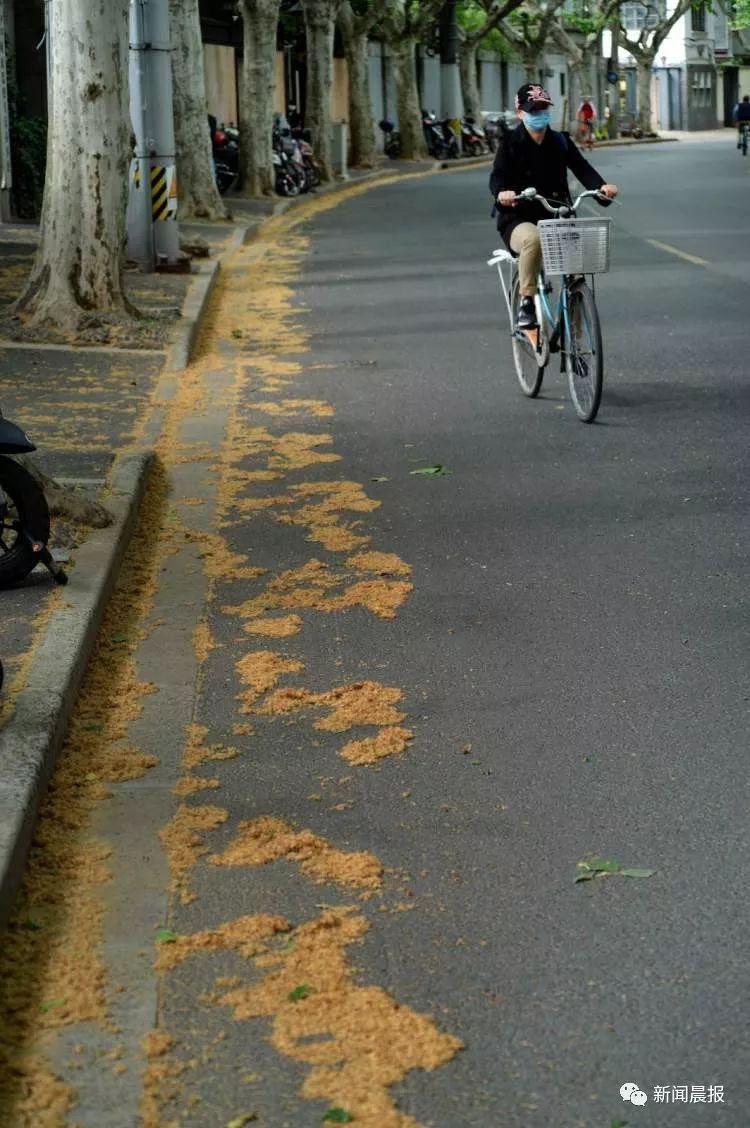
[531, 95]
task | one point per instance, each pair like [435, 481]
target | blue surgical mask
[537, 121]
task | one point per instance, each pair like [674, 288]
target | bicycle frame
[552, 322]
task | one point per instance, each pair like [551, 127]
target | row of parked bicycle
[444, 142]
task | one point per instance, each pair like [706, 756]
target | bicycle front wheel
[584, 363]
[526, 355]
[744, 142]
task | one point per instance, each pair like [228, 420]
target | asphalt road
[579, 618]
[573, 660]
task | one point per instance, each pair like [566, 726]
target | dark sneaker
[526, 314]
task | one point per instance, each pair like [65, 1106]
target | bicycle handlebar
[563, 209]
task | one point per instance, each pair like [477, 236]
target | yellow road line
[676, 251]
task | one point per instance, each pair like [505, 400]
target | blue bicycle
[567, 319]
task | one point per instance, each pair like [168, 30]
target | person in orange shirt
[586, 117]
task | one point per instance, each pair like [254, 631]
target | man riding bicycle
[533, 155]
[742, 117]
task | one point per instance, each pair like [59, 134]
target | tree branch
[495, 12]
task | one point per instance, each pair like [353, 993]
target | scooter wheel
[24, 514]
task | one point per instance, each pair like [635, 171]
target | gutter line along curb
[193, 312]
[33, 736]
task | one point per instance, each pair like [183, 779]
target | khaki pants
[524, 241]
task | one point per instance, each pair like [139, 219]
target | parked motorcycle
[291, 178]
[226, 150]
[297, 145]
[391, 139]
[24, 513]
[439, 136]
[473, 138]
[303, 137]
[495, 127]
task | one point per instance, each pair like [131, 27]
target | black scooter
[24, 513]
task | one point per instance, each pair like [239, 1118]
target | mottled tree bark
[354, 32]
[260, 19]
[199, 196]
[643, 86]
[467, 62]
[320, 21]
[78, 266]
[403, 58]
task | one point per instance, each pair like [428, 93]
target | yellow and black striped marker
[159, 193]
[137, 176]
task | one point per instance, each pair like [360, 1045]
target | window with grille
[636, 16]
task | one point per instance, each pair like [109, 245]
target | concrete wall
[340, 92]
[491, 82]
[430, 89]
[700, 96]
[744, 79]
[221, 86]
[377, 94]
[279, 97]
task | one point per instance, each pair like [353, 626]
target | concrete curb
[629, 141]
[193, 310]
[31, 739]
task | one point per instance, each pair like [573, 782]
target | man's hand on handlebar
[509, 199]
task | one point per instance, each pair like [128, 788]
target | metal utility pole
[613, 78]
[153, 234]
[450, 76]
[6, 167]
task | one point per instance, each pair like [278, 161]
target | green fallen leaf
[300, 992]
[618, 1124]
[91, 777]
[437, 471]
[603, 865]
[46, 1007]
[166, 936]
[338, 1116]
[379, 479]
[599, 866]
[97, 727]
[241, 1120]
[237, 333]
[589, 870]
[33, 925]
[119, 636]
[587, 759]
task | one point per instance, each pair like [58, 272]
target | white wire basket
[575, 246]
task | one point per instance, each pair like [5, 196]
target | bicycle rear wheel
[584, 363]
[744, 141]
[526, 356]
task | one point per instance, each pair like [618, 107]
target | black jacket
[743, 111]
[521, 163]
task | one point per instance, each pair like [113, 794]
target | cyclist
[533, 155]
[742, 116]
[586, 116]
